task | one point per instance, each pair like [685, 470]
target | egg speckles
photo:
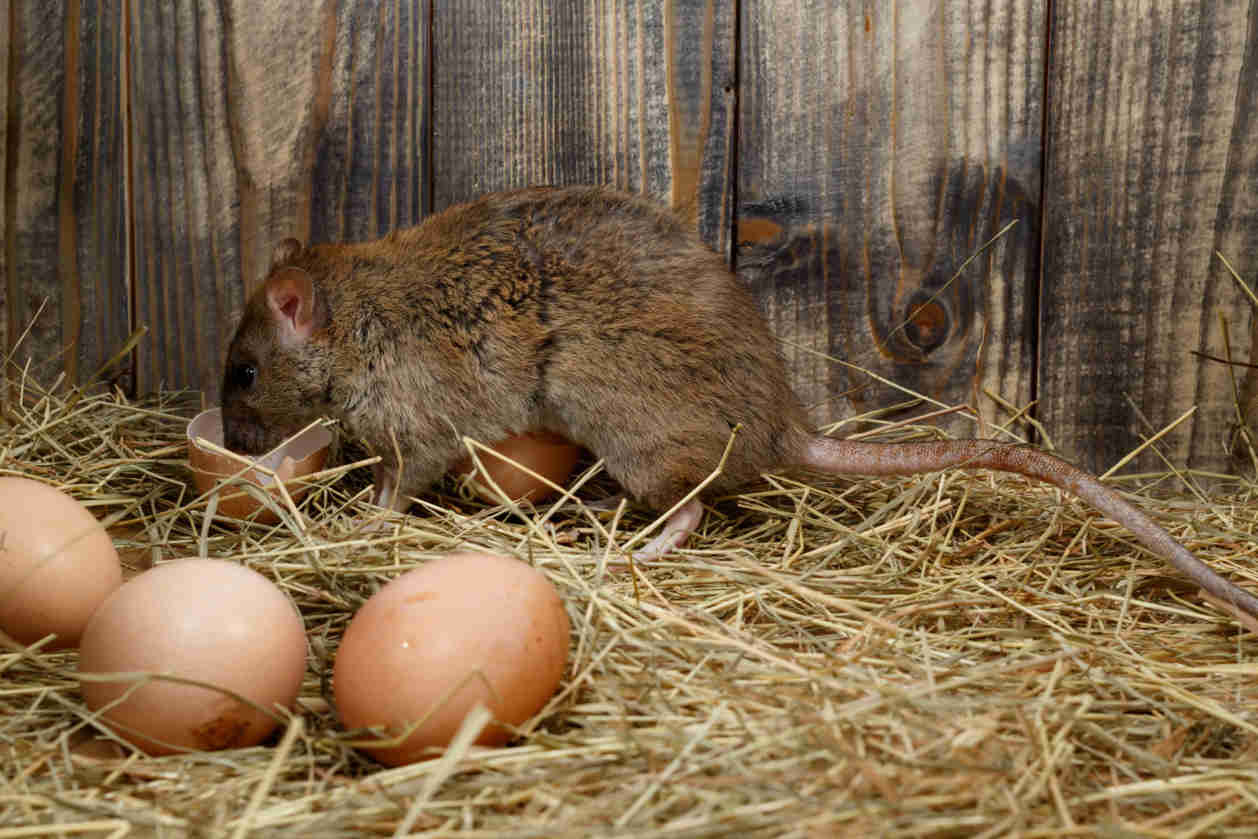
[430, 645]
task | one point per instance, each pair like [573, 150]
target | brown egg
[57, 563]
[545, 453]
[301, 456]
[207, 620]
[466, 628]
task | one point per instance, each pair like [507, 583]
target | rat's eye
[241, 376]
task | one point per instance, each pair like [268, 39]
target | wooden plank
[369, 168]
[6, 47]
[879, 146]
[64, 216]
[632, 93]
[93, 212]
[253, 122]
[37, 76]
[1150, 170]
[1236, 237]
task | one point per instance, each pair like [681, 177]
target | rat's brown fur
[577, 310]
[588, 312]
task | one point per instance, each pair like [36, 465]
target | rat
[596, 314]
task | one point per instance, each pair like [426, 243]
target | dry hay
[944, 655]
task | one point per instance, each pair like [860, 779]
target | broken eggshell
[301, 456]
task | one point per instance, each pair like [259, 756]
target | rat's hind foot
[679, 526]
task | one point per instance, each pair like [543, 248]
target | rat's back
[655, 352]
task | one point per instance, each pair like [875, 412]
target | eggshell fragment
[303, 455]
[57, 563]
[207, 620]
[466, 628]
[545, 453]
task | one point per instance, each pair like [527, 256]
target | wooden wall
[846, 157]
[1152, 170]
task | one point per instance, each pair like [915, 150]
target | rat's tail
[844, 457]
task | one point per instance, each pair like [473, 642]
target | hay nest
[944, 655]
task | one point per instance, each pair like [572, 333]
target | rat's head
[277, 373]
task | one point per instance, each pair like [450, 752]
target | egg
[432, 643]
[208, 620]
[545, 453]
[300, 456]
[57, 563]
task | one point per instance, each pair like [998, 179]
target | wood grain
[93, 211]
[632, 93]
[64, 209]
[1151, 168]
[879, 146]
[6, 52]
[37, 75]
[370, 164]
[1236, 238]
[253, 122]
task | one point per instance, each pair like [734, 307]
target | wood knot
[927, 321]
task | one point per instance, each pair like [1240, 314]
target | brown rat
[589, 312]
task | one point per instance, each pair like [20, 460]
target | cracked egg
[303, 455]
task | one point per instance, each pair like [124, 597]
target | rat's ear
[293, 301]
[284, 252]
